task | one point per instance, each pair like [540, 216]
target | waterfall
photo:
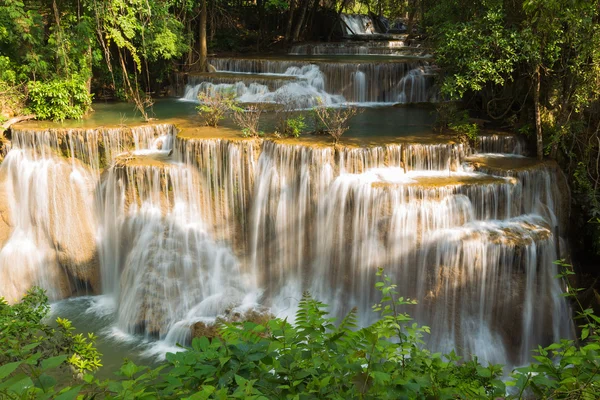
[358, 24]
[308, 90]
[414, 87]
[305, 81]
[360, 87]
[180, 229]
[500, 143]
[171, 265]
[48, 236]
[382, 47]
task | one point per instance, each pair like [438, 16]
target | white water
[229, 225]
[356, 24]
[380, 47]
[308, 91]
[327, 82]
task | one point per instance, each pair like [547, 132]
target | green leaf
[21, 385]
[585, 332]
[204, 394]
[53, 362]
[46, 381]
[484, 372]
[380, 377]
[8, 369]
[69, 393]
[200, 344]
[129, 369]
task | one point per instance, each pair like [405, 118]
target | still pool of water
[95, 314]
[375, 120]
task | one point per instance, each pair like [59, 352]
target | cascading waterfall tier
[49, 180]
[356, 24]
[170, 265]
[392, 48]
[185, 228]
[309, 82]
[299, 87]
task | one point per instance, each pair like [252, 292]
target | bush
[465, 130]
[59, 99]
[336, 120]
[31, 350]
[446, 113]
[248, 119]
[450, 117]
[12, 99]
[291, 126]
[214, 106]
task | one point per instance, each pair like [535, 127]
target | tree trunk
[203, 50]
[412, 11]
[290, 21]
[190, 55]
[89, 59]
[538, 117]
[311, 17]
[260, 4]
[15, 120]
[298, 27]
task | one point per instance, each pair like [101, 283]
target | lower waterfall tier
[180, 229]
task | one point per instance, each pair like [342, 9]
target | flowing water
[383, 47]
[306, 81]
[357, 24]
[175, 229]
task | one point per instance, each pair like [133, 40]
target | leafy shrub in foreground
[32, 352]
[317, 359]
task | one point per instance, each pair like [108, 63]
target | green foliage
[277, 5]
[464, 129]
[59, 99]
[476, 53]
[32, 352]
[448, 116]
[446, 113]
[291, 125]
[214, 105]
[12, 99]
[54, 63]
[312, 358]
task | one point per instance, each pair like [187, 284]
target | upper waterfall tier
[390, 48]
[179, 225]
[334, 80]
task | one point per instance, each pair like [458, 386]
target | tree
[534, 65]
[203, 49]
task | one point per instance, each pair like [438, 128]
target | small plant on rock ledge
[466, 132]
[290, 121]
[335, 121]
[248, 118]
[291, 126]
[214, 105]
